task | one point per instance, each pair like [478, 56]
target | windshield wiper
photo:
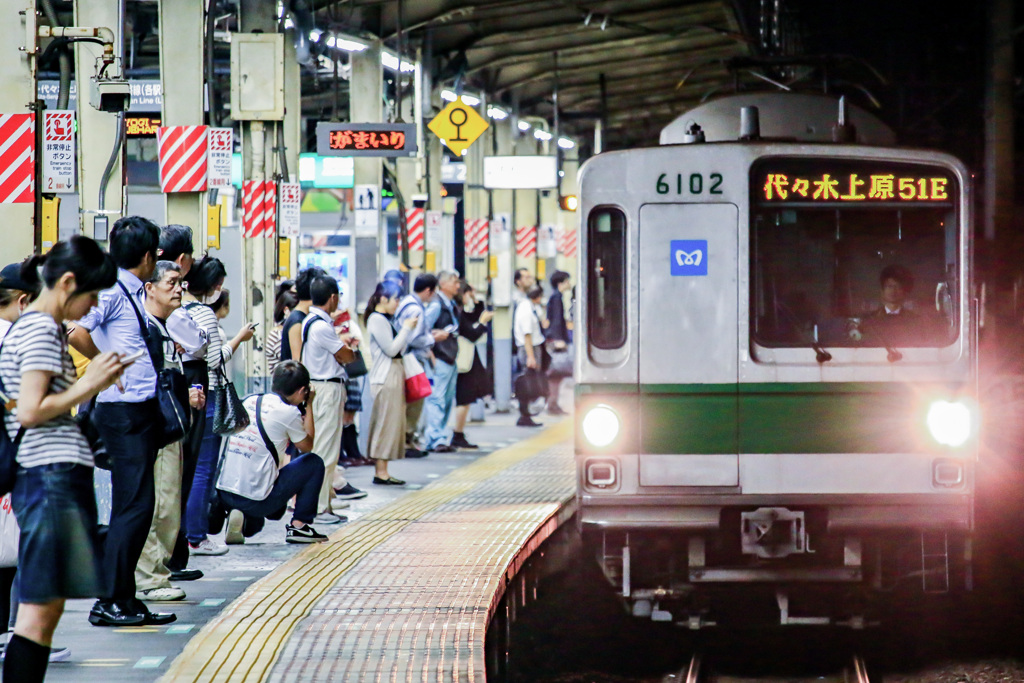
[820, 354]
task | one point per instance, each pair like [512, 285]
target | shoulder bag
[350, 357]
[8, 446]
[171, 389]
[417, 385]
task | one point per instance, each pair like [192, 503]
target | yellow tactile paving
[455, 559]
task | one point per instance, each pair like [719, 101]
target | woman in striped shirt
[205, 282]
[283, 306]
[53, 496]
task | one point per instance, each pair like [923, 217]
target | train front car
[776, 377]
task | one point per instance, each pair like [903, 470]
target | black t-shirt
[294, 318]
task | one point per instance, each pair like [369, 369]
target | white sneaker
[166, 593]
[233, 536]
[207, 546]
[338, 504]
[329, 518]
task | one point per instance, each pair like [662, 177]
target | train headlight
[950, 422]
[601, 426]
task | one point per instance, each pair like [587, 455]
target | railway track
[699, 670]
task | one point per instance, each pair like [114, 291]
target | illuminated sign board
[366, 139]
[821, 181]
[141, 126]
[326, 172]
[520, 173]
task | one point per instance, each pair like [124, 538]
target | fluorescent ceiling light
[524, 126]
[566, 143]
[497, 113]
[471, 100]
[315, 34]
[390, 60]
[448, 96]
[541, 135]
[345, 44]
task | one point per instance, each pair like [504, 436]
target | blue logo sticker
[689, 257]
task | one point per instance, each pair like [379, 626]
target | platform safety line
[245, 640]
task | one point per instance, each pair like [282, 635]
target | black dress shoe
[443, 448]
[111, 613]
[415, 453]
[186, 575]
[152, 618]
[460, 441]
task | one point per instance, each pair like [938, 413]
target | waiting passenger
[53, 496]
[254, 479]
[387, 380]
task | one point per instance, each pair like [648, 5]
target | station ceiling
[635, 64]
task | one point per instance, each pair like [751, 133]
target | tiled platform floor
[402, 594]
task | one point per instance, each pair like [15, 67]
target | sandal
[390, 481]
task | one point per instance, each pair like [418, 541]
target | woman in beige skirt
[387, 380]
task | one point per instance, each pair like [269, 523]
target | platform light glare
[497, 113]
[566, 143]
[949, 422]
[390, 60]
[524, 126]
[542, 135]
[601, 426]
[448, 96]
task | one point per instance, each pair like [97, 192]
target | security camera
[109, 95]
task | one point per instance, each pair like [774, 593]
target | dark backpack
[8, 447]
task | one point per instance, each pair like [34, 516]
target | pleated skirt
[387, 418]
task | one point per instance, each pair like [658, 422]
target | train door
[687, 344]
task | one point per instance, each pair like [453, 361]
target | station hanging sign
[520, 173]
[366, 139]
[811, 182]
[58, 151]
[458, 126]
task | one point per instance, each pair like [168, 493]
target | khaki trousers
[152, 571]
[328, 405]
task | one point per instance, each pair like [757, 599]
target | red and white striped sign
[17, 158]
[414, 221]
[567, 242]
[182, 151]
[259, 208]
[476, 237]
[526, 241]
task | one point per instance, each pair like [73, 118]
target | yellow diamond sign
[458, 125]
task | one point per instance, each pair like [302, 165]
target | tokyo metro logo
[689, 257]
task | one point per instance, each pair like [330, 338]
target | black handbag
[229, 415]
[83, 417]
[171, 387]
[356, 368]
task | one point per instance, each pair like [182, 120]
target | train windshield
[853, 253]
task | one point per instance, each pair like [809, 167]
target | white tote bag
[10, 534]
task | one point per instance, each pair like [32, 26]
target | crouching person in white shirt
[254, 479]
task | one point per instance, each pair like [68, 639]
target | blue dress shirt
[115, 327]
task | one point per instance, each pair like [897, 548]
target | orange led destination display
[366, 139]
[141, 126]
[854, 187]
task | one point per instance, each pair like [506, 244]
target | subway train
[776, 365]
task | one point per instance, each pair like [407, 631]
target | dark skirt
[58, 552]
[354, 395]
[472, 385]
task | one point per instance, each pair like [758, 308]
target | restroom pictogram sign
[458, 125]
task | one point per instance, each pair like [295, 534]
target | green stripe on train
[820, 417]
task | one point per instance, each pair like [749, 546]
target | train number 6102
[695, 183]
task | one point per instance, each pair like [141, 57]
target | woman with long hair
[472, 384]
[387, 380]
[53, 496]
[205, 286]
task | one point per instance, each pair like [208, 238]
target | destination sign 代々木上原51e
[847, 181]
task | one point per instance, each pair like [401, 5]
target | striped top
[273, 349]
[217, 352]
[37, 342]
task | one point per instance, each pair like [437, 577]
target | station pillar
[258, 253]
[18, 93]
[101, 142]
[181, 79]
[366, 87]
[501, 266]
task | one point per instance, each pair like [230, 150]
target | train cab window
[853, 253]
[606, 278]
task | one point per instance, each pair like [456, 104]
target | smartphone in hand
[132, 357]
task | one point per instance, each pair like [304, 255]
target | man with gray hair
[442, 314]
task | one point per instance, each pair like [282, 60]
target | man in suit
[893, 323]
